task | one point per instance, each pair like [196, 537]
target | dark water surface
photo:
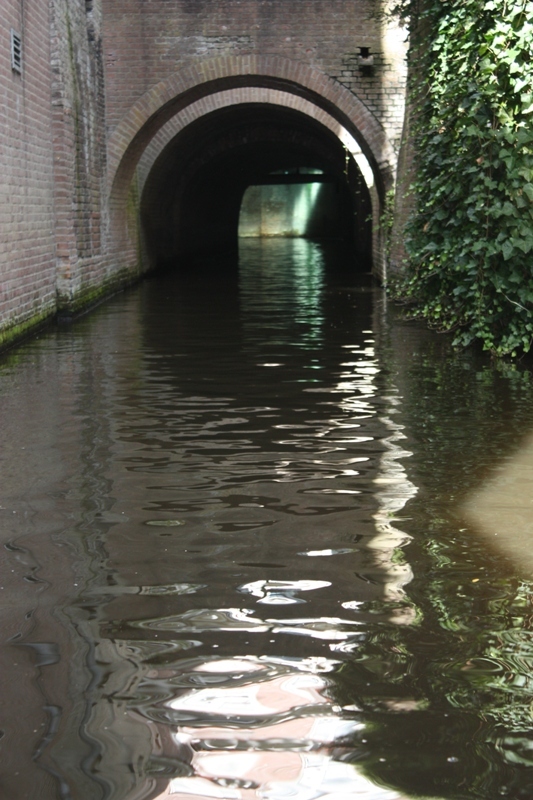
[262, 540]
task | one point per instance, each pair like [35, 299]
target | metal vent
[16, 51]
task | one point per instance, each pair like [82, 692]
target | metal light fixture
[366, 61]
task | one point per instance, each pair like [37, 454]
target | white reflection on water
[393, 488]
[299, 777]
[201, 620]
[281, 592]
[279, 743]
[393, 491]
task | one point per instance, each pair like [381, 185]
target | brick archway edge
[232, 98]
[167, 98]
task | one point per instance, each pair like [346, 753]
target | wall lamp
[366, 61]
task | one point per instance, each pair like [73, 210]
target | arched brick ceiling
[195, 185]
[202, 84]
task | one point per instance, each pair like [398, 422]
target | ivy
[470, 238]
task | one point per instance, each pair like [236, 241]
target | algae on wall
[78, 98]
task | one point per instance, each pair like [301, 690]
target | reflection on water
[502, 508]
[235, 562]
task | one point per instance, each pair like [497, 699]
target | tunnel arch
[185, 97]
[235, 146]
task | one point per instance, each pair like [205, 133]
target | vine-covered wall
[469, 239]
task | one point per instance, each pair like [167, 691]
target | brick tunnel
[186, 153]
[149, 132]
[193, 196]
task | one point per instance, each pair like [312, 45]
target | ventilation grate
[16, 51]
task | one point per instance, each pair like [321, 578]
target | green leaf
[528, 190]
[507, 250]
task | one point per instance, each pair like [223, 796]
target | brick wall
[405, 199]
[79, 144]
[27, 281]
[162, 56]
[147, 42]
[52, 161]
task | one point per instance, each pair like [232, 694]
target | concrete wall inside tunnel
[309, 209]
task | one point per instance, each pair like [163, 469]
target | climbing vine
[470, 239]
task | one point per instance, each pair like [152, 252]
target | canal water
[262, 539]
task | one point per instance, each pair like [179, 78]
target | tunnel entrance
[252, 170]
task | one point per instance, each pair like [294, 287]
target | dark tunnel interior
[191, 203]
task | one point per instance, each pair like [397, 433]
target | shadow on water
[459, 723]
[239, 559]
